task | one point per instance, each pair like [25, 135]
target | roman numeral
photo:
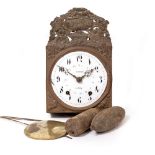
[79, 58]
[61, 90]
[101, 80]
[61, 69]
[96, 68]
[58, 79]
[89, 62]
[68, 93]
[68, 61]
[90, 94]
[96, 88]
[79, 100]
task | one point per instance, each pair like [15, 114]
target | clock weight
[98, 119]
[81, 122]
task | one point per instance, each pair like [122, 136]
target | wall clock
[78, 63]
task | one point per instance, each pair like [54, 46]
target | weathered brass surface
[45, 130]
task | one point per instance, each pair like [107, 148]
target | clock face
[78, 79]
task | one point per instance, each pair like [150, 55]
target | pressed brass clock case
[78, 30]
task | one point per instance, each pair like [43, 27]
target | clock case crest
[78, 29]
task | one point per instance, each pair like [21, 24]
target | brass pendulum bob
[41, 130]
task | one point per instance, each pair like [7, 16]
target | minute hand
[65, 70]
[71, 74]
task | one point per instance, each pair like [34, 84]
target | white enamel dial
[78, 79]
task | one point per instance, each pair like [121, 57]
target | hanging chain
[16, 119]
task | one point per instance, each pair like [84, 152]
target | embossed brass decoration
[78, 30]
[45, 130]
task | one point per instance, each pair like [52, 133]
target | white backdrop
[24, 32]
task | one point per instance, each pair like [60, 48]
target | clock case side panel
[107, 101]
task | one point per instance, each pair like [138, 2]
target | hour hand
[88, 73]
[72, 75]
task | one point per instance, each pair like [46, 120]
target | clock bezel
[92, 51]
